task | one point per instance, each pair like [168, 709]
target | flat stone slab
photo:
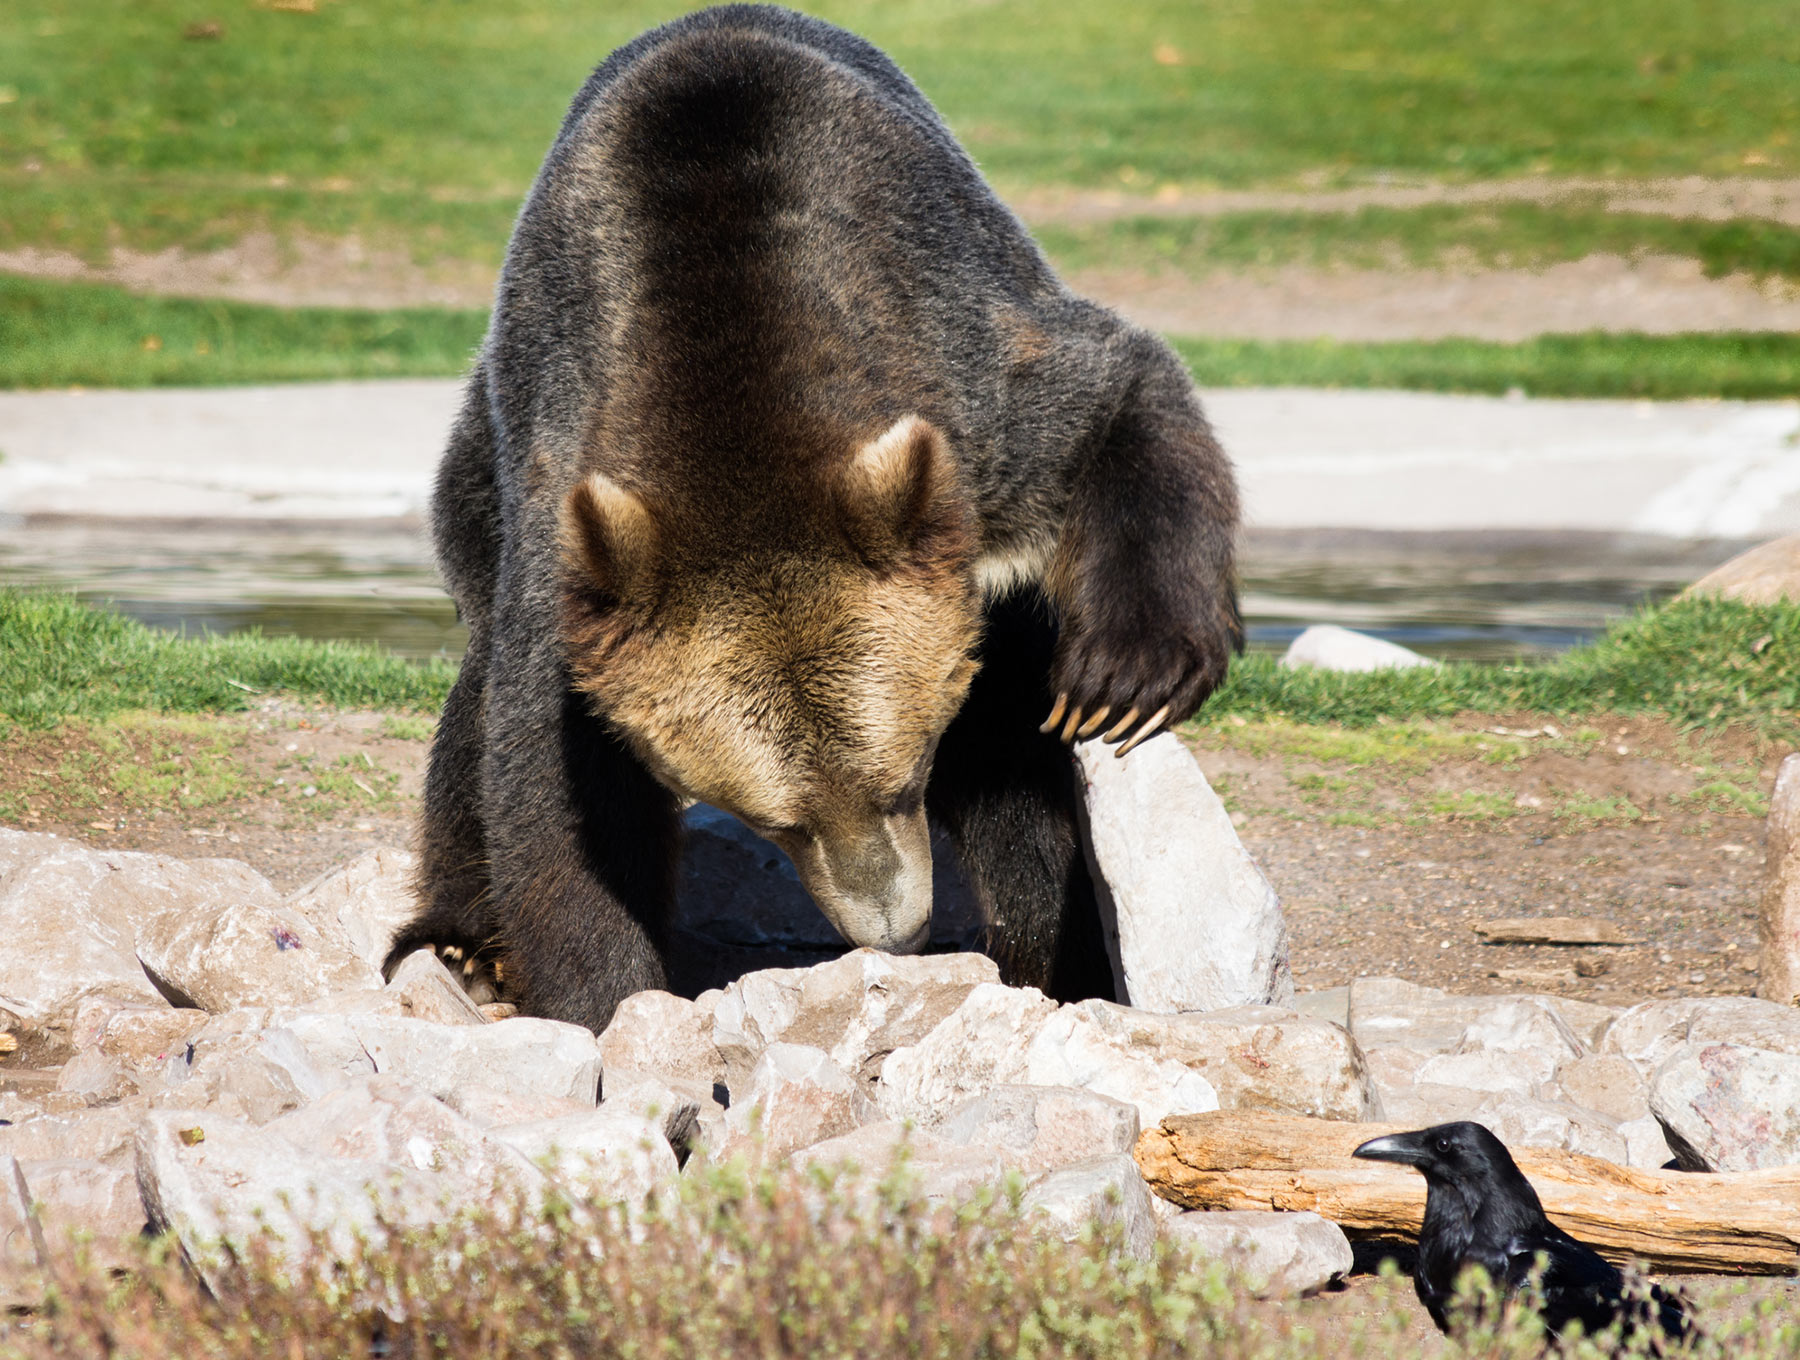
[1554, 930]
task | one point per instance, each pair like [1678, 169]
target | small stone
[1330, 648]
[1074, 1200]
[1606, 1083]
[1192, 922]
[1779, 921]
[1646, 1146]
[427, 990]
[245, 952]
[1554, 930]
[1278, 1254]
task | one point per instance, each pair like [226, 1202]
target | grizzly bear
[791, 479]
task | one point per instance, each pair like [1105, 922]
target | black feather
[1481, 1211]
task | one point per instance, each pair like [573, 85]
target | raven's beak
[1396, 1147]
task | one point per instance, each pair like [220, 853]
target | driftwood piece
[1554, 930]
[1745, 1222]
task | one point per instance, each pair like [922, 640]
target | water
[1487, 596]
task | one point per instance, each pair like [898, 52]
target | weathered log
[1745, 1222]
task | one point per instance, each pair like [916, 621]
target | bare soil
[1653, 294]
[1387, 846]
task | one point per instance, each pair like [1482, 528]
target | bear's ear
[901, 496]
[608, 538]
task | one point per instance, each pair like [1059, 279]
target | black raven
[1480, 1210]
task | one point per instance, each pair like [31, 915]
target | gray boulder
[1778, 977]
[1102, 1191]
[796, 1096]
[603, 1157]
[858, 1008]
[1729, 1107]
[1041, 1128]
[1647, 1035]
[1327, 647]
[367, 901]
[1193, 924]
[665, 1034]
[1278, 1254]
[984, 1042]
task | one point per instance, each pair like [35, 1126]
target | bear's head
[791, 652]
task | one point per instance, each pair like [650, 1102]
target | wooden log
[1745, 1222]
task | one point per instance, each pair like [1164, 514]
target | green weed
[407, 727]
[60, 659]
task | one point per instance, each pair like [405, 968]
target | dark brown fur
[781, 415]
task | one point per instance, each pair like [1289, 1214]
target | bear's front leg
[1143, 576]
[582, 843]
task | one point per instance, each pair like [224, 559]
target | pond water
[1465, 595]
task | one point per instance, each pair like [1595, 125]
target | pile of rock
[207, 1056]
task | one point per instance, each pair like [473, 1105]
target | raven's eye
[1443, 1144]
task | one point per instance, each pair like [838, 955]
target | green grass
[1592, 364]
[62, 334]
[1514, 235]
[1699, 663]
[60, 659]
[420, 123]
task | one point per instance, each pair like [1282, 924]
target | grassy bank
[1504, 235]
[63, 334]
[1700, 663]
[61, 659]
[419, 123]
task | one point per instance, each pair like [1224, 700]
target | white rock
[96, 1077]
[741, 890]
[1648, 1034]
[86, 1202]
[370, 900]
[1729, 1107]
[858, 1008]
[603, 1156]
[1606, 1083]
[796, 1096]
[426, 990]
[1247, 1057]
[983, 1042]
[679, 1108]
[1331, 648]
[1646, 1147]
[1515, 1072]
[1522, 1122]
[524, 1056]
[216, 1182]
[1277, 1253]
[71, 919]
[919, 1166]
[665, 1034]
[1192, 922]
[486, 1108]
[385, 1119]
[98, 1135]
[234, 1066]
[24, 1252]
[141, 1037]
[1040, 1128]
[1101, 1191]
[247, 950]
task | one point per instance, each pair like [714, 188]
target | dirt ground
[1389, 846]
[1653, 294]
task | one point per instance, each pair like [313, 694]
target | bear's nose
[874, 884]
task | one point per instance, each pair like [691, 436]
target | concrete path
[1306, 458]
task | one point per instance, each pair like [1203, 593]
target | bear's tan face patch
[807, 698]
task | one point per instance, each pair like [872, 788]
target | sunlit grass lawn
[421, 123]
